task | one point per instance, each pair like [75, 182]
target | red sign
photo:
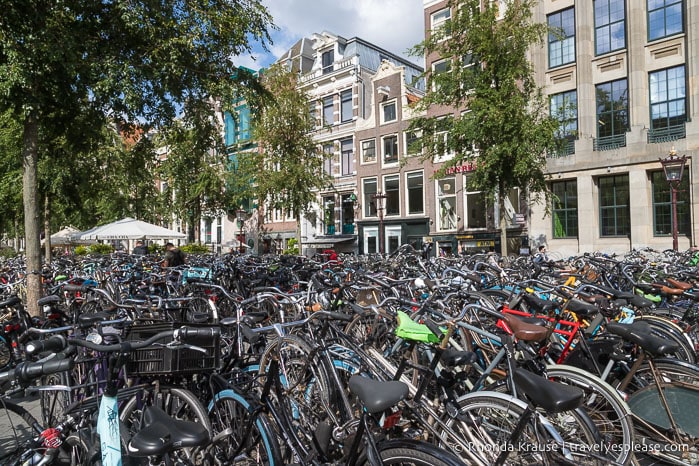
[465, 168]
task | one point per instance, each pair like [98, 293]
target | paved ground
[13, 428]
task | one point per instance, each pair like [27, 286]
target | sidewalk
[13, 428]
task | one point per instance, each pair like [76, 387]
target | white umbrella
[129, 229]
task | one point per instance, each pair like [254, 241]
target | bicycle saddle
[163, 433]
[377, 395]
[453, 358]
[639, 333]
[552, 396]
[523, 330]
[581, 308]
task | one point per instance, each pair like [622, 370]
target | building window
[610, 26]
[388, 112]
[475, 207]
[312, 113]
[328, 155]
[668, 98]
[328, 118]
[664, 18]
[390, 148]
[329, 215]
[411, 143]
[346, 105]
[369, 151]
[564, 211]
[446, 203]
[328, 58]
[347, 213]
[439, 18]
[207, 230]
[564, 108]
[562, 38]
[369, 188]
[662, 205]
[415, 185]
[612, 113]
[439, 67]
[615, 217]
[392, 190]
[347, 156]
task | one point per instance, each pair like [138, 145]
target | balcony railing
[567, 147]
[610, 142]
[667, 134]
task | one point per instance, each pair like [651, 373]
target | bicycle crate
[161, 360]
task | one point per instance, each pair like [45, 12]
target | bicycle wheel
[609, 412]
[247, 442]
[669, 371]
[668, 330]
[487, 420]
[413, 453]
[176, 402]
[18, 427]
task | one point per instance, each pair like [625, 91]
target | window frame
[663, 208]
[441, 196]
[347, 157]
[386, 105]
[325, 65]
[608, 25]
[369, 210]
[565, 213]
[344, 101]
[364, 150]
[328, 158]
[391, 188]
[482, 222]
[394, 157]
[614, 111]
[668, 102]
[328, 103]
[564, 53]
[619, 207]
[411, 197]
[666, 6]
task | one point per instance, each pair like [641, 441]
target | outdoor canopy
[130, 229]
[65, 236]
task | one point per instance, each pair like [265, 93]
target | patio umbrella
[129, 229]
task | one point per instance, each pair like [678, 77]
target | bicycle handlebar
[26, 371]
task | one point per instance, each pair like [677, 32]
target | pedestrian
[541, 257]
[140, 249]
[173, 256]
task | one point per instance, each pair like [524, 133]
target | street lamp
[673, 166]
[240, 217]
[380, 203]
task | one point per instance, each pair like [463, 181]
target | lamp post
[673, 166]
[240, 217]
[380, 203]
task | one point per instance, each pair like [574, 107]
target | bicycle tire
[230, 409]
[305, 380]
[670, 331]
[609, 412]
[487, 419]
[414, 453]
[669, 370]
[20, 427]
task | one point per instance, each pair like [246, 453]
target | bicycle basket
[159, 360]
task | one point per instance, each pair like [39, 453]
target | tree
[498, 117]
[286, 171]
[118, 61]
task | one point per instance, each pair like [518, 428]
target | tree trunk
[47, 230]
[30, 157]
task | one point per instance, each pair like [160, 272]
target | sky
[394, 25]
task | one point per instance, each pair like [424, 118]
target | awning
[326, 242]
